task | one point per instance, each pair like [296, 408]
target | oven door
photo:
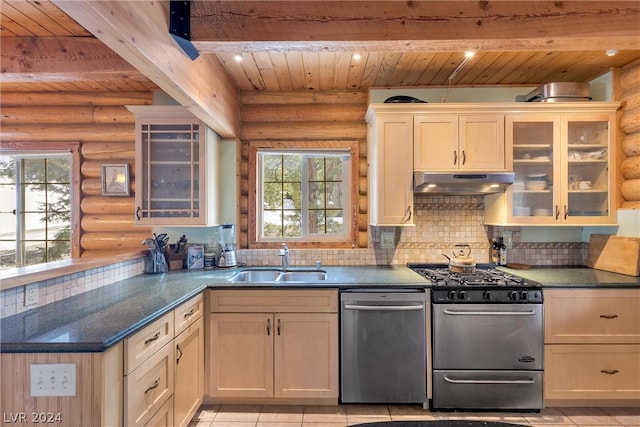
[488, 336]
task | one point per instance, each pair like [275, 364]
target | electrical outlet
[30, 294]
[53, 379]
[387, 240]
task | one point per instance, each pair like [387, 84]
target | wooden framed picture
[115, 179]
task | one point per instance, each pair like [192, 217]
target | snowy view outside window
[303, 195]
[35, 209]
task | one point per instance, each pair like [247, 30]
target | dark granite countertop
[97, 319]
[576, 277]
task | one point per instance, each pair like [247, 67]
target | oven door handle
[489, 313]
[384, 307]
[452, 381]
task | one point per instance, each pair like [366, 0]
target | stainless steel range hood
[461, 183]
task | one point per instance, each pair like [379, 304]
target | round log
[108, 150]
[362, 148]
[243, 240]
[630, 190]
[108, 205]
[93, 168]
[362, 204]
[631, 205]
[363, 239]
[113, 240]
[631, 144]
[93, 187]
[631, 98]
[362, 167]
[362, 185]
[630, 167]
[98, 223]
[19, 99]
[630, 76]
[66, 115]
[630, 120]
[363, 223]
[115, 254]
[68, 132]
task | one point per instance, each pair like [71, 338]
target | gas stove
[484, 285]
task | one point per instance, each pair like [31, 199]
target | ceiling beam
[62, 59]
[445, 26]
[138, 31]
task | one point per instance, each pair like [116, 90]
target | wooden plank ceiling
[311, 45]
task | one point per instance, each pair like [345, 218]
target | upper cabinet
[177, 168]
[390, 154]
[469, 142]
[564, 165]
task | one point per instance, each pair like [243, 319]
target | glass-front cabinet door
[170, 170]
[587, 177]
[532, 198]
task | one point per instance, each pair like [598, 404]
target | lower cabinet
[189, 373]
[271, 345]
[592, 347]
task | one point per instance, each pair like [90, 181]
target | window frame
[296, 147]
[72, 148]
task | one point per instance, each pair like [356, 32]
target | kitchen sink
[278, 275]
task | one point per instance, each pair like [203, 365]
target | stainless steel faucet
[284, 255]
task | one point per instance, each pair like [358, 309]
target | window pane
[58, 250]
[272, 223]
[34, 198]
[335, 222]
[7, 170]
[292, 224]
[316, 222]
[33, 170]
[291, 196]
[58, 170]
[272, 168]
[272, 198]
[334, 168]
[292, 168]
[34, 226]
[334, 195]
[316, 195]
[316, 168]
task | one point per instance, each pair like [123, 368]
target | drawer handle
[190, 313]
[609, 371]
[609, 316]
[155, 385]
[153, 338]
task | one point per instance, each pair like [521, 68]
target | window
[304, 195]
[36, 214]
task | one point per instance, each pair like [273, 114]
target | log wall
[629, 163]
[303, 116]
[105, 130]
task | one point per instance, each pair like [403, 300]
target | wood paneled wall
[105, 130]
[630, 127]
[304, 116]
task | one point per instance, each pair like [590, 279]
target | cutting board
[618, 254]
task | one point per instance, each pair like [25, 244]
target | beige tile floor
[347, 415]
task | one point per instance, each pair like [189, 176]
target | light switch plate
[53, 379]
[387, 240]
[30, 294]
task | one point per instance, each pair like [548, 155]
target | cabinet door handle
[455, 157]
[609, 316]
[464, 157]
[557, 212]
[278, 326]
[155, 385]
[268, 327]
[408, 216]
[609, 371]
[152, 339]
[566, 213]
[179, 353]
[138, 213]
[190, 313]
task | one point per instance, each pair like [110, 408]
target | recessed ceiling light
[469, 53]
[238, 57]
[611, 52]
[357, 56]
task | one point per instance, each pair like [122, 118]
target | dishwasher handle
[384, 307]
[453, 381]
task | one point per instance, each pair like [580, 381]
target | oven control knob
[524, 295]
[513, 295]
[462, 295]
[486, 295]
[451, 295]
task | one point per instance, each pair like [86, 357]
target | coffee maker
[227, 246]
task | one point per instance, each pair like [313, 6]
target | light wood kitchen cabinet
[274, 345]
[140, 346]
[177, 168]
[592, 346]
[390, 177]
[451, 142]
[189, 373]
[564, 167]
[163, 417]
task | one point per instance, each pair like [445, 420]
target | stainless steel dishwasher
[383, 346]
